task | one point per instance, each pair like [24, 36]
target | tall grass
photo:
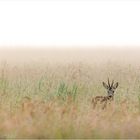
[46, 95]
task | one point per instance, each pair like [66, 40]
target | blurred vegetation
[51, 98]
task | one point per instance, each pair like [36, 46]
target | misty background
[79, 23]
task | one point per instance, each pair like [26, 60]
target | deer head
[110, 87]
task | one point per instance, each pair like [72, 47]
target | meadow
[46, 93]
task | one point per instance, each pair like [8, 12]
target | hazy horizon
[21, 55]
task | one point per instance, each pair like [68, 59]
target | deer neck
[110, 97]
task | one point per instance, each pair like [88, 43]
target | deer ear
[116, 85]
[105, 85]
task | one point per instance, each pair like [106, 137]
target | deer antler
[108, 83]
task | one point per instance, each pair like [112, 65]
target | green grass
[52, 99]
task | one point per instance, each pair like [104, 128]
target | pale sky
[69, 23]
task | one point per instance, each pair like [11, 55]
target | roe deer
[105, 99]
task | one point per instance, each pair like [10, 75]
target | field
[46, 93]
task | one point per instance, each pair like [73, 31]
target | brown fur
[102, 100]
